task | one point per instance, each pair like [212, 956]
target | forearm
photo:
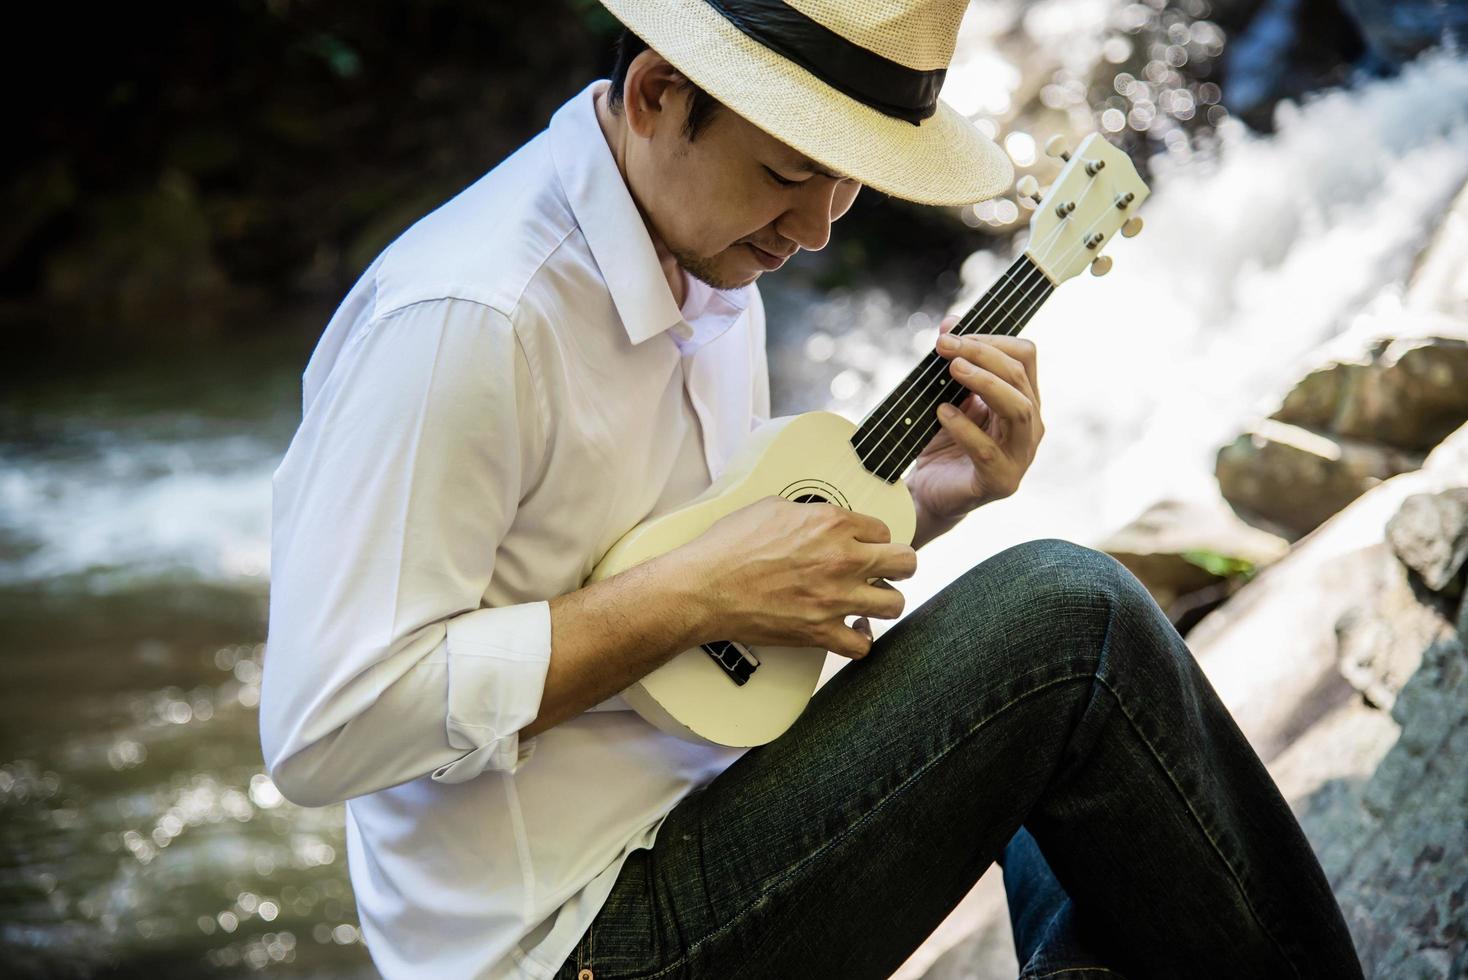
[614, 632]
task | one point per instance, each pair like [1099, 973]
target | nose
[808, 221]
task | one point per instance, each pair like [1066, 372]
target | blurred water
[138, 832]
[1251, 258]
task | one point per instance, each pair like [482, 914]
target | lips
[768, 259]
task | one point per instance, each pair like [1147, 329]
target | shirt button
[683, 330]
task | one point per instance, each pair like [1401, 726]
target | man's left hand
[982, 451]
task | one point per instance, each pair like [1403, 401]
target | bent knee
[1065, 578]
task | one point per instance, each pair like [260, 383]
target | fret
[893, 433]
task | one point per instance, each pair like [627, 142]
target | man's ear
[653, 93]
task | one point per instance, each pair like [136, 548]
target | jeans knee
[1054, 569]
[1064, 580]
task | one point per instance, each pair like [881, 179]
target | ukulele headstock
[1093, 197]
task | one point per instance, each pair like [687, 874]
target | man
[575, 344]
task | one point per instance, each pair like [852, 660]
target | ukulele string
[844, 466]
[930, 422]
[928, 415]
[1028, 281]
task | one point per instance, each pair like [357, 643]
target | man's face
[715, 200]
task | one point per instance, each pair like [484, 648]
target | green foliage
[1224, 566]
[596, 18]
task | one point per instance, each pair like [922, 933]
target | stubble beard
[705, 270]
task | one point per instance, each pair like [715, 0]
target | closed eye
[781, 180]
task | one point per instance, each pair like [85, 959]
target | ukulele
[725, 692]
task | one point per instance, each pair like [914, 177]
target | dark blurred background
[183, 170]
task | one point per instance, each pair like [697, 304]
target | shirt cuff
[497, 662]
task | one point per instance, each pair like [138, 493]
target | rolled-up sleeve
[382, 663]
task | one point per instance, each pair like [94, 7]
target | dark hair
[701, 105]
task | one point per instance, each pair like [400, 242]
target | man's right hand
[782, 573]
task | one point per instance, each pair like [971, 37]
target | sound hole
[811, 498]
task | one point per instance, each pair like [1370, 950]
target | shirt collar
[619, 239]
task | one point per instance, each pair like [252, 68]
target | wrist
[930, 526]
[692, 607]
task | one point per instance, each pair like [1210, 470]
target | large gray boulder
[1295, 478]
[1289, 646]
[1407, 392]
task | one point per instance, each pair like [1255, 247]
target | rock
[1179, 547]
[1399, 30]
[1274, 650]
[1401, 377]
[1407, 393]
[1430, 535]
[1382, 795]
[1297, 477]
[1380, 636]
[1396, 851]
[1439, 278]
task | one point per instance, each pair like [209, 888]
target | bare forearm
[613, 633]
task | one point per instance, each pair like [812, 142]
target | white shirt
[506, 391]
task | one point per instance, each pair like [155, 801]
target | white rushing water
[125, 508]
[1248, 262]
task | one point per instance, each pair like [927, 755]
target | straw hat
[853, 85]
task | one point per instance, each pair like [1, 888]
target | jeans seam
[795, 868]
[1198, 820]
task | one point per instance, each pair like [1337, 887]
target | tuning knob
[1029, 187]
[1100, 265]
[1055, 147]
[1131, 227]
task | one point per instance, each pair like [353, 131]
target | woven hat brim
[945, 160]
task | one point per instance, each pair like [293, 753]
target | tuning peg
[1055, 146]
[1131, 227]
[1029, 187]
[1100, 265]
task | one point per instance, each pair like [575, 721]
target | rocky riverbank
[1322, 590]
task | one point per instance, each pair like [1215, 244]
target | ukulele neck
[893, 433]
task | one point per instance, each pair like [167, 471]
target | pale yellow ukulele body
[694, 696]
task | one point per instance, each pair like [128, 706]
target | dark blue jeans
[1040, 711]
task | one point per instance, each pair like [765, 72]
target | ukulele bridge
[736, 659]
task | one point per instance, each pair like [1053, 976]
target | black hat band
[890, 88]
